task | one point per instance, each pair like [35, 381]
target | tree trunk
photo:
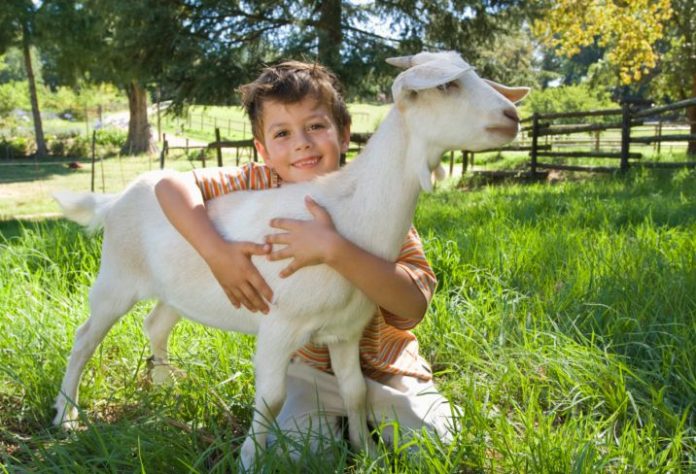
[330, 33]
[36, 114]
[139, 138]
[691, 115]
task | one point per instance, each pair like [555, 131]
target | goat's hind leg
[158, 326]
[108, 303]
[274, 348]
[345, 361]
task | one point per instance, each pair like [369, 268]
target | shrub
[111, 138]
[17, 147]
[575, 98]
[13, 95]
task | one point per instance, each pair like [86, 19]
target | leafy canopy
[629, 30]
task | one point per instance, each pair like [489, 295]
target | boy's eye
[316, 126]
[280, 134]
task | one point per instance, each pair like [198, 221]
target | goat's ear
[513, 94]
[425, 76]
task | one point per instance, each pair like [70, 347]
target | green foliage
[13, 95]
[562, 327]
[17, 147]
[572, 98]
[108, 142]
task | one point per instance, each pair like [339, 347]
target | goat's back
[143, 249]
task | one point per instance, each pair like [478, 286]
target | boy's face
[301, 140]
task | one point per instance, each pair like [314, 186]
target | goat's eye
[449, 86]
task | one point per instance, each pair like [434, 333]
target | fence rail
[542, 126]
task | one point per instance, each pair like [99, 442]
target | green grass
[563, 326]
[26, 185]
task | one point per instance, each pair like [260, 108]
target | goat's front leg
[345, 361]
[274, 348]
[158, 326]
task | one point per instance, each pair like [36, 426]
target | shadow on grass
[30, 169]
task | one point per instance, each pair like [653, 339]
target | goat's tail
[87, 209]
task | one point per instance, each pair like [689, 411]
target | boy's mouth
[309, 162]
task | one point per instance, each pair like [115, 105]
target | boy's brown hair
[290, 82]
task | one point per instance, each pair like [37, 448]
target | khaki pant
[314, 407]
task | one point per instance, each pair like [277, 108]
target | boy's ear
[345, 139]
[262, 151]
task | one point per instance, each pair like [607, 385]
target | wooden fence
[626, 119]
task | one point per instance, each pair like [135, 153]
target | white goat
[441, 104]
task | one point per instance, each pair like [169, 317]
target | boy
[301, 127]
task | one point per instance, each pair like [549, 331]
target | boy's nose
[302, 141]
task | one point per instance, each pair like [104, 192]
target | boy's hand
[306, 242]
[239, 277]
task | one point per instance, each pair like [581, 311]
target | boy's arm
[230, 262]
[316, 241]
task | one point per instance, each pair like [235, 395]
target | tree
[340, 34]
[632, 33]
[109, 41]
[678, 65]
[16, 29]
[628, 31]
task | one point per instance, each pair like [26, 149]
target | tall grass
[563, 327]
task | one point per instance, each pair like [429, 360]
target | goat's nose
[511, 113]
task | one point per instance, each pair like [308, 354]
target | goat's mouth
[507, 130]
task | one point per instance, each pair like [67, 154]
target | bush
[575, 98]
[13, 95]
[80, 146]
[17, 147]
[111, 138]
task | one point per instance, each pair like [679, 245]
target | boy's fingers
[253, 298]
[317, 211]
[277, 238]
[290, 269]
[234, 298]
[283, 223]
[261, 287]
[280, 254]
[256, 249]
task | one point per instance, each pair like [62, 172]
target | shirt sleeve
[412, 260]
[216, 182]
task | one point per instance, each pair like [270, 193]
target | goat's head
[448, 105]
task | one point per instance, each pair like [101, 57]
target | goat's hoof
[164, 374]
[67, 419]
[247, 456]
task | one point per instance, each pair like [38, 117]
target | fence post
[165, 150]
[451, 166]
[465, 161]
[256, 154]
[219, 148]
[625, 134]
[535, 138]
[659, 135]
[94, 158]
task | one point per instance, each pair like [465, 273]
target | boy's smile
[301, 140]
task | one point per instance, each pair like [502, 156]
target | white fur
[371, 200]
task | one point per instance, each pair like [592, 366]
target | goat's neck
[386, 189]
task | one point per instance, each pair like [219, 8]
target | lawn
[563, 326]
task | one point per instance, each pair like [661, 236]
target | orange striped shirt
[387, 346]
